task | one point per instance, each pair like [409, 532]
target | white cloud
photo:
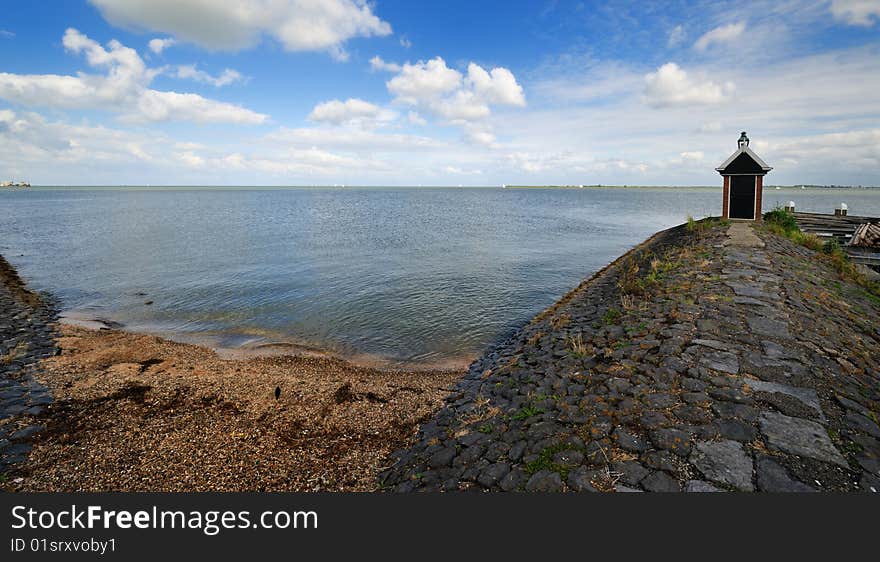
[190, 72]
[189, 146]
[424, 81]
[404, 42]
[720, 35]
[191, 159]
[710, 127]
[455, 170]
[671, 85]
[308, 162]
[351, 139]
[460, 107]
[859, 149]
[591, 121]
[154, 105]
[351, 111]
[447, 92]
[498, 86]
[28, 139]
[6, 34]
[856, 12]
[299, 25]
[478, 135]
[676, 36]
[434, 88]
[105, 155]
[159, 45]
[123, 89]
[771, 103]
[376, 63]
[694, 155]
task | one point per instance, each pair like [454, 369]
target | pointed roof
[743, 161]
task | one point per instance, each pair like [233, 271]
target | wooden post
[725, 206]
[759, 196]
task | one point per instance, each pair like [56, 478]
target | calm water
[410, 275]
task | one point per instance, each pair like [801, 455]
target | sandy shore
[137, 412]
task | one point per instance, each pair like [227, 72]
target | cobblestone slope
[723, 358]
[26, 336]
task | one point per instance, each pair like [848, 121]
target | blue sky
[293, 92]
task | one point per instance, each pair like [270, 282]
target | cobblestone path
[724, 359]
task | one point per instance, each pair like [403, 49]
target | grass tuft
[781, 222]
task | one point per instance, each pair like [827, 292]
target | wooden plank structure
[743, 174]
[859, 236]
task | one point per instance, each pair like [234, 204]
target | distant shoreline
[426, 187]
[599, 186]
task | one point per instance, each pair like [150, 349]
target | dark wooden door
[742, 197]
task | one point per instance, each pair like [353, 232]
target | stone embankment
[26, 337]
[711, 358]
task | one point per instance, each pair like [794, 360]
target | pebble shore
[107, 410]
[715, 358]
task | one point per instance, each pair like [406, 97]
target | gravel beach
[128, 412]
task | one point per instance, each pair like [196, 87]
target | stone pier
[721, 358]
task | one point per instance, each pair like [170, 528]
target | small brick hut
[743, 175]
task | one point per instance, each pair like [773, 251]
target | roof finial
[743, 140]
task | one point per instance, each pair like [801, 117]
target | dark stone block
[660, 482]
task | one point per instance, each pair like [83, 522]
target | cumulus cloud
[123, 89]
[190, 72]
[424, 81]
[720, 35]
[434, 88]
[856, 12]
[671, 85]
[496, 86]
[350, 111]
[228, 25]
[158, 45]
